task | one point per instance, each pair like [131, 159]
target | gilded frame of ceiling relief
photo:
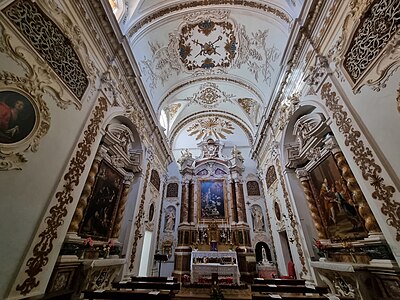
[56, 214]
[363, 157]
[369, 52]
[139, 216]
[292, 218]
[50, 43]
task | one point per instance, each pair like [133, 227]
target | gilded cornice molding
[204, 3]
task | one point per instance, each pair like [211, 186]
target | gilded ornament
[216, 126]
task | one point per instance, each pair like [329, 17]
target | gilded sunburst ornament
[216, 126]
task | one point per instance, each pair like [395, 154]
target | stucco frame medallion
[12, 155]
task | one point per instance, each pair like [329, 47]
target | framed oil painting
[103, 203]
[212, 199]
[17, 117]
[337, 210]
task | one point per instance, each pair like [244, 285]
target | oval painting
[17, 117]
[277, 211]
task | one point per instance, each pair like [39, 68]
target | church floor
[204, 293]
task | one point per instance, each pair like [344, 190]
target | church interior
[218, 149]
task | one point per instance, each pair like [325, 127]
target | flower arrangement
[321, 248]
[107, 248]
[88, 242]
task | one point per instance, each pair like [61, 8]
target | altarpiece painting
[339, 213]
[103, 203]
[212, 199]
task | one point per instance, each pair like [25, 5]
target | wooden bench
[295, 289]
[144, 285]
[277, 281]
[153, 279]
[294, 297]
[127, 295]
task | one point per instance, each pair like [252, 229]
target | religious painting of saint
[212, 199]
[103, 203]
[17, 117]
[339, 213]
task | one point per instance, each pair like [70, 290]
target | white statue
[169, 224]
[237, 154]
[264, 255]
[258, 221]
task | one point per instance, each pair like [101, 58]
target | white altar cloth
[200, 269]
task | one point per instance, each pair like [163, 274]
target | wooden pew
[297, 289]
[294, 297]
[126, 295]
[277, 281]
[144, 285]
[153, 279]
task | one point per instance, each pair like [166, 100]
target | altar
[223, 263]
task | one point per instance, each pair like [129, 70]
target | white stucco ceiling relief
[205, 64]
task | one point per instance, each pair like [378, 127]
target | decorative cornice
[363, 158]
[197, 4]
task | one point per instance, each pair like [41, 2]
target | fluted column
[121, 206]
[87, 189]
[185, 202]
[312, 206]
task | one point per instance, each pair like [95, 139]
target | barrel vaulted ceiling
[209, 68]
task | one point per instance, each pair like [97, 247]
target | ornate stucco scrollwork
[56, 214]
[50, 42]
[369, 42]
[139, 217]
[292, 218]
[364, 158]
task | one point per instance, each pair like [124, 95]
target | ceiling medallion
[215, 126]
[207, 44]
[209, 96]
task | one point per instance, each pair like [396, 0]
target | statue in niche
[258, 220]
[264, 256]
[170, 220]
